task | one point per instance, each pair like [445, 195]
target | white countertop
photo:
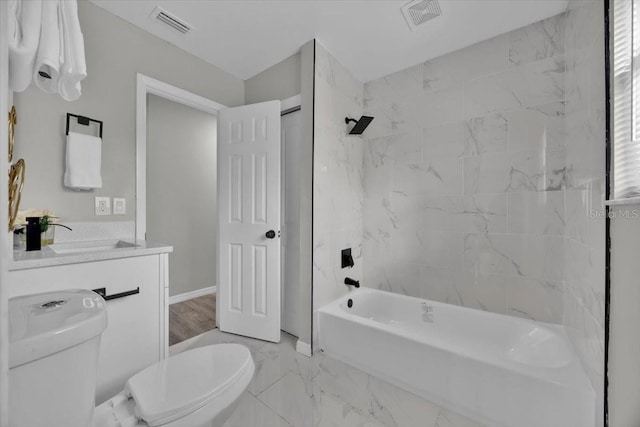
[46, 257]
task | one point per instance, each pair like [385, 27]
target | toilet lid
[181, 384]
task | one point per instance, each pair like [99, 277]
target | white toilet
[53, 359]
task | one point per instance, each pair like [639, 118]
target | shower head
[360, 126]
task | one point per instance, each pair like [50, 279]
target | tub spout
[350, 282]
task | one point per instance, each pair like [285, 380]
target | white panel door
[249, 220]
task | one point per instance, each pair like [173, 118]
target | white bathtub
[499, 370]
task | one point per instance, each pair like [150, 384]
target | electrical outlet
[119, 206]
[103, 205]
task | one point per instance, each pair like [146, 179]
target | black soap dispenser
[33, 233]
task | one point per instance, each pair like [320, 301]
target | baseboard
[191, 295]
[303, 348]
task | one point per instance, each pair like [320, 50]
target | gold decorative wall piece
[16, 183]
[13, 119]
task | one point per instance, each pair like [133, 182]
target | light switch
[119, 206]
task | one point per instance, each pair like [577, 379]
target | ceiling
[371, 38]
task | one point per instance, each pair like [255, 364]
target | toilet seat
[179, 385]
[182, 385]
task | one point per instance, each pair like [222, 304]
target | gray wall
[181, 190]
[624, 341]
[115, 51]
[280, 81]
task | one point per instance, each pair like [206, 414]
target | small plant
[45, 222]
[47, 218]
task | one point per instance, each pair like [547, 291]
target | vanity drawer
[132, 340]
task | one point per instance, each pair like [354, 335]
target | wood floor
[192, 317]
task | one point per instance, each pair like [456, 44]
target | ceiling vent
[418, 12]
[172, 21]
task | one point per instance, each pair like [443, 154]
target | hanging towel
[74, 68]
[48, 58]
[84, 154]
[24, 34]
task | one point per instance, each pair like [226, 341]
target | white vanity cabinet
[136, 334]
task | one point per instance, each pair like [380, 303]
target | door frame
[288, 106]
[148, 85]
[291, 105]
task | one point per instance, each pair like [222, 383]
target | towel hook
[83, 121]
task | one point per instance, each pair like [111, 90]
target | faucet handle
[347, 259]
[351, 282]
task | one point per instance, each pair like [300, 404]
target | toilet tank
[54, 340]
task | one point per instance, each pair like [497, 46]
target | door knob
[270, 234]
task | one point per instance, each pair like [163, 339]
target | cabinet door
[132, 339]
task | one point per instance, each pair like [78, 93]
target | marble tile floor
[291, 390]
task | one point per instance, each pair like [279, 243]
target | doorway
[259, 219]
[181, 206]
[290, 204]
[172, 183]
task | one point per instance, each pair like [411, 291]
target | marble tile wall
[585, 162]
[464, 176]
[337, 180]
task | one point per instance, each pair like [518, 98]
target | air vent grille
[420, 11]
[170, 20]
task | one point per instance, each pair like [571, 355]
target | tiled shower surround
[481, 171]
[477, 181]
[464, 176]
[337, 179]
[584, 289]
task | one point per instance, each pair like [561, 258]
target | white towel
[24, 33]
[74, 68]
[84, 155]
[48, 58]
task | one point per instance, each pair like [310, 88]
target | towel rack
[83, 121]
[103, 293]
